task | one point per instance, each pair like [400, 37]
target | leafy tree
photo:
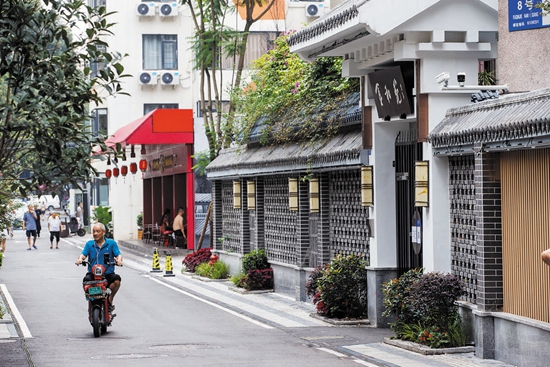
[46, 50]
[214, 40]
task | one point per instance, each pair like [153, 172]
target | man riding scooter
[95, 251]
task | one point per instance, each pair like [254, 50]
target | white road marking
[330, 351]
[15, 313]
[213, 304]
[364, 363]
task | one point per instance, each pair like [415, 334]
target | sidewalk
[275, 310]
[358, 343]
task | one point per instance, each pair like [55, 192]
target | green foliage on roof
[283, 89]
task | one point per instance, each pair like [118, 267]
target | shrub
[257, 279]
[256, 274]
[311, 284]
[255, 260]
[432, 298]
[217, 270]
[239, 280]
[425, 309]
[195, 258]
[396, 292]
[341, 287]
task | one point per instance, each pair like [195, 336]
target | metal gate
[407, 151]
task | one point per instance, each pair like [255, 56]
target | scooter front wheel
[81, 232]
[95, 321]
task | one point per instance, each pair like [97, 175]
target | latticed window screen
[348, 219]
[463, 223]
[231, 222]
[280, 223]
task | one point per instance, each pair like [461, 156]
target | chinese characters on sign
[523, 14]
[389, 91]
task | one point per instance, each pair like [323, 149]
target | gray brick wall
[489, 231]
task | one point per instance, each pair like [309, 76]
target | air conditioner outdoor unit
[315, 9]
[148, 78]
[170, 78]
[146, 9]
[168, 10]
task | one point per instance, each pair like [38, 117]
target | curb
[244, 291]
[358, 322]
[421, 349]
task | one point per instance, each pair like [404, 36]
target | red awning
[161, 126]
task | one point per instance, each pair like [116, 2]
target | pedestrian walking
[80, 212]
[29, 225]
[54, 226]
[38, 213]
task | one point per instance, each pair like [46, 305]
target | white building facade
[156, 37]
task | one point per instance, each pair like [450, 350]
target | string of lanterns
[123, 170]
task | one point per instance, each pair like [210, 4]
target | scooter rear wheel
[95, 321]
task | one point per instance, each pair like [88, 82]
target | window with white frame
[97, 65]
[160, 52]
[225, 107]
[148, 107]
[100, 122]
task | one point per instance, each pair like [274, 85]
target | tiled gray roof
[513, 117]
[341, 150]
[336, 18]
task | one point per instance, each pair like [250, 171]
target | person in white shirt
[54, 226]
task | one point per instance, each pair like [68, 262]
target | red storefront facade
[166, 138]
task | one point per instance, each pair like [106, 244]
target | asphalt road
[156, 324]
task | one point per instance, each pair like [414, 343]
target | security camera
[443, 78]
[461, 78]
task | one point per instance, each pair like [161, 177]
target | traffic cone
[156, 262]
[168, 265]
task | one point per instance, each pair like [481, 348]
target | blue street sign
[522, 14]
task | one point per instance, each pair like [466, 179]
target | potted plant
[139, 222]
[102, 214]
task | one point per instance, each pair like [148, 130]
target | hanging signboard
[389, 91]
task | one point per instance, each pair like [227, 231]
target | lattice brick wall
[348, 219]
[231, 221]
[280, 223]
[463, 223]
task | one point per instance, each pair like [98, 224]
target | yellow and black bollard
[156, 261]
[168, 265]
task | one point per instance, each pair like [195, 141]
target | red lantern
[108, 173]
[143, 165]
[133, 167]
[116, 171]
[124, 170]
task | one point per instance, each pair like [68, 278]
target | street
[157, 324]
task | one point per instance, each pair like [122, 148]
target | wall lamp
[251, 194]
[367, 197]
[421, 183]
[293, 193]
[314, 195]
[236, 194]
